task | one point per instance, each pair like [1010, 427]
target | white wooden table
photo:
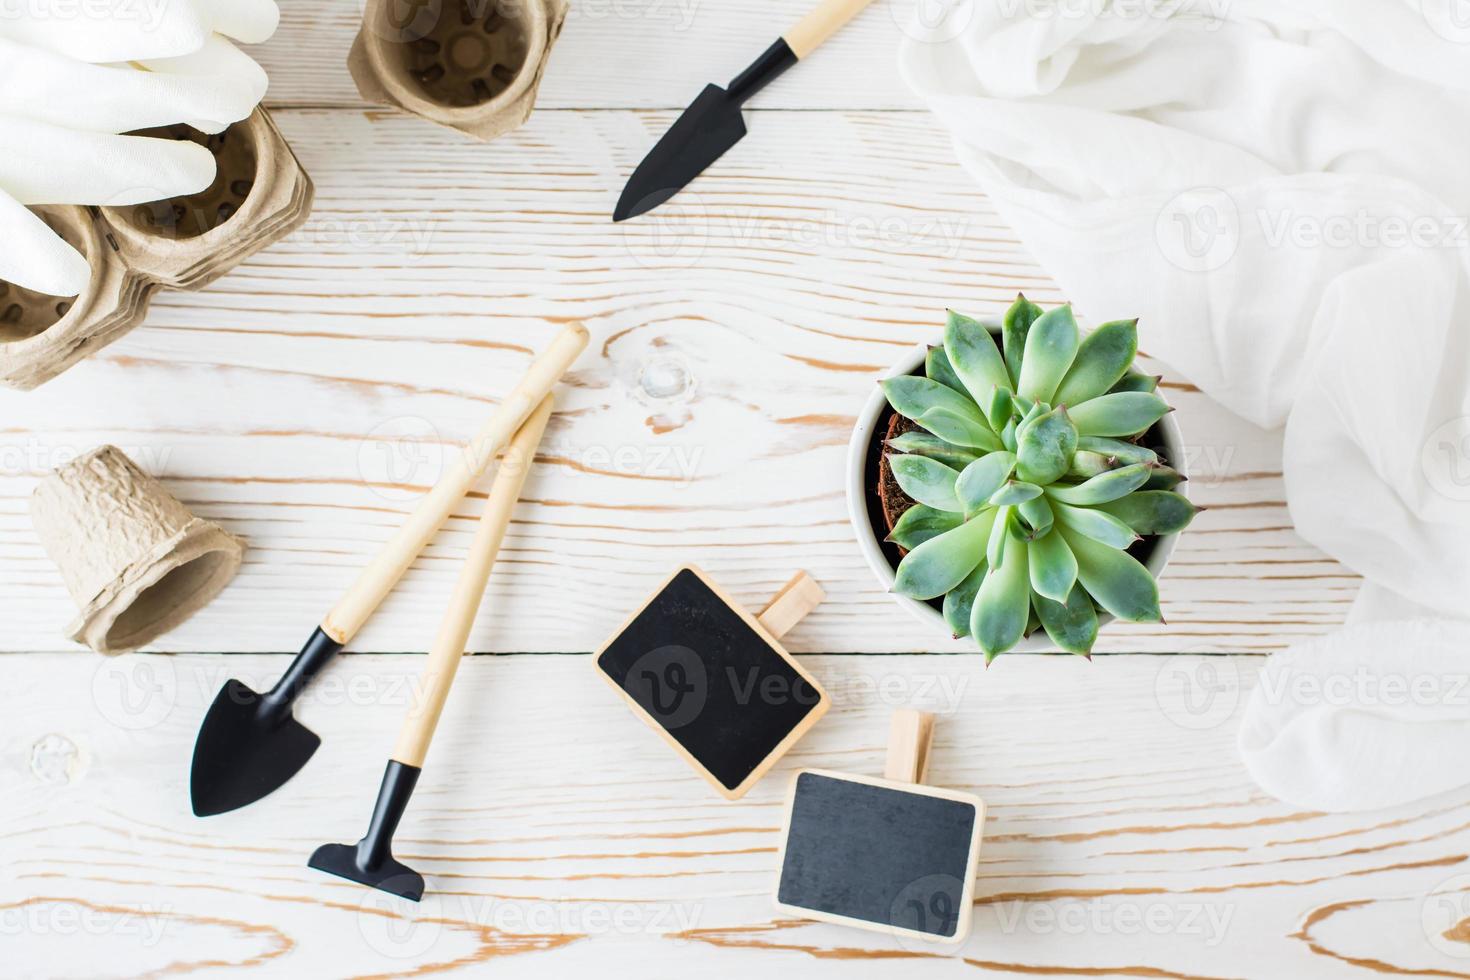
[304, 400]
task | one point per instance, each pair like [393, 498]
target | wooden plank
[558, 834]
[617, 54]
[307, 398]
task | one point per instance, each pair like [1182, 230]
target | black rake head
[355, 863]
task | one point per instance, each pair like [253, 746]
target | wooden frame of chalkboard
[794, 599]
[967, 891]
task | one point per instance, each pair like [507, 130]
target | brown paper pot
[260, 195]
[469, 64]
[135, 561]
[40, 335]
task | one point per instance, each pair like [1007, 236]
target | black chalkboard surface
[897, 857]
[712, 680]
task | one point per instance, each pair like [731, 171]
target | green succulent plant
[1028, 480]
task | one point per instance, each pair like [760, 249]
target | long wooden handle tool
[370, 861]
[249, 743]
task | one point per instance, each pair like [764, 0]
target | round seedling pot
[135, 560]
[26, 314]
[866, 493]
[259, 195]
[41, 336]
[469, 65]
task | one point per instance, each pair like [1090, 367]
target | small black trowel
[249, 744]
[712, 123]
[370, 861]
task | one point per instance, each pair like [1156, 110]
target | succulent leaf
[1008, 436]
[941, 563]
[938, 368]
[1098, 525]
[1085, 465]
[1102, 359]
[1072, 627]
[928, 444]
[995, 545]
[1053, 568]
[973, 355]
[943, 411]
[1014, 327]
[1101, 488]
[911, 396]
[1123, 413]
[982, 478]
[1044, 447]
[959, 602]
[1014, 492]
[1051, 347]
[998, 412]
[960, 430]
[926, 480]
[1127, 452]
[1134, 381]
[920, 523]
[1153, 511]
[1003, 604]
[1119, 583]
[1162, 478]
[1037, 513]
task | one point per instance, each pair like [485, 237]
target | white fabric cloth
[1277, 189]
[1368, 717]
[62, 116]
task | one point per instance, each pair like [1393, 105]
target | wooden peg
[789, 606]
[909, 735]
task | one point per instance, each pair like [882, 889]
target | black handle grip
[314, 655]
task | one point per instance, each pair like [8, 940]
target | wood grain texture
[1122, 838]
[619, 54]
[305, 400]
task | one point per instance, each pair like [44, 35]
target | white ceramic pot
[857, 498]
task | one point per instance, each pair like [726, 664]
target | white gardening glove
[208, 89]
[136, 30]
[48, 164]
[61, 116]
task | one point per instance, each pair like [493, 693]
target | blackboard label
[880, 855]
[707, 676]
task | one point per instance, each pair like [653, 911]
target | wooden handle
[909, 735]
[387, 567]
[454, 628]
[789, 606]
[821, 23]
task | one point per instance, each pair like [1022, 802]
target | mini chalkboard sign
[714, 680]
[888, 854]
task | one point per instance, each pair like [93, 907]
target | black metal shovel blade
[241, 755]
[387, 874]
[710, 126]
